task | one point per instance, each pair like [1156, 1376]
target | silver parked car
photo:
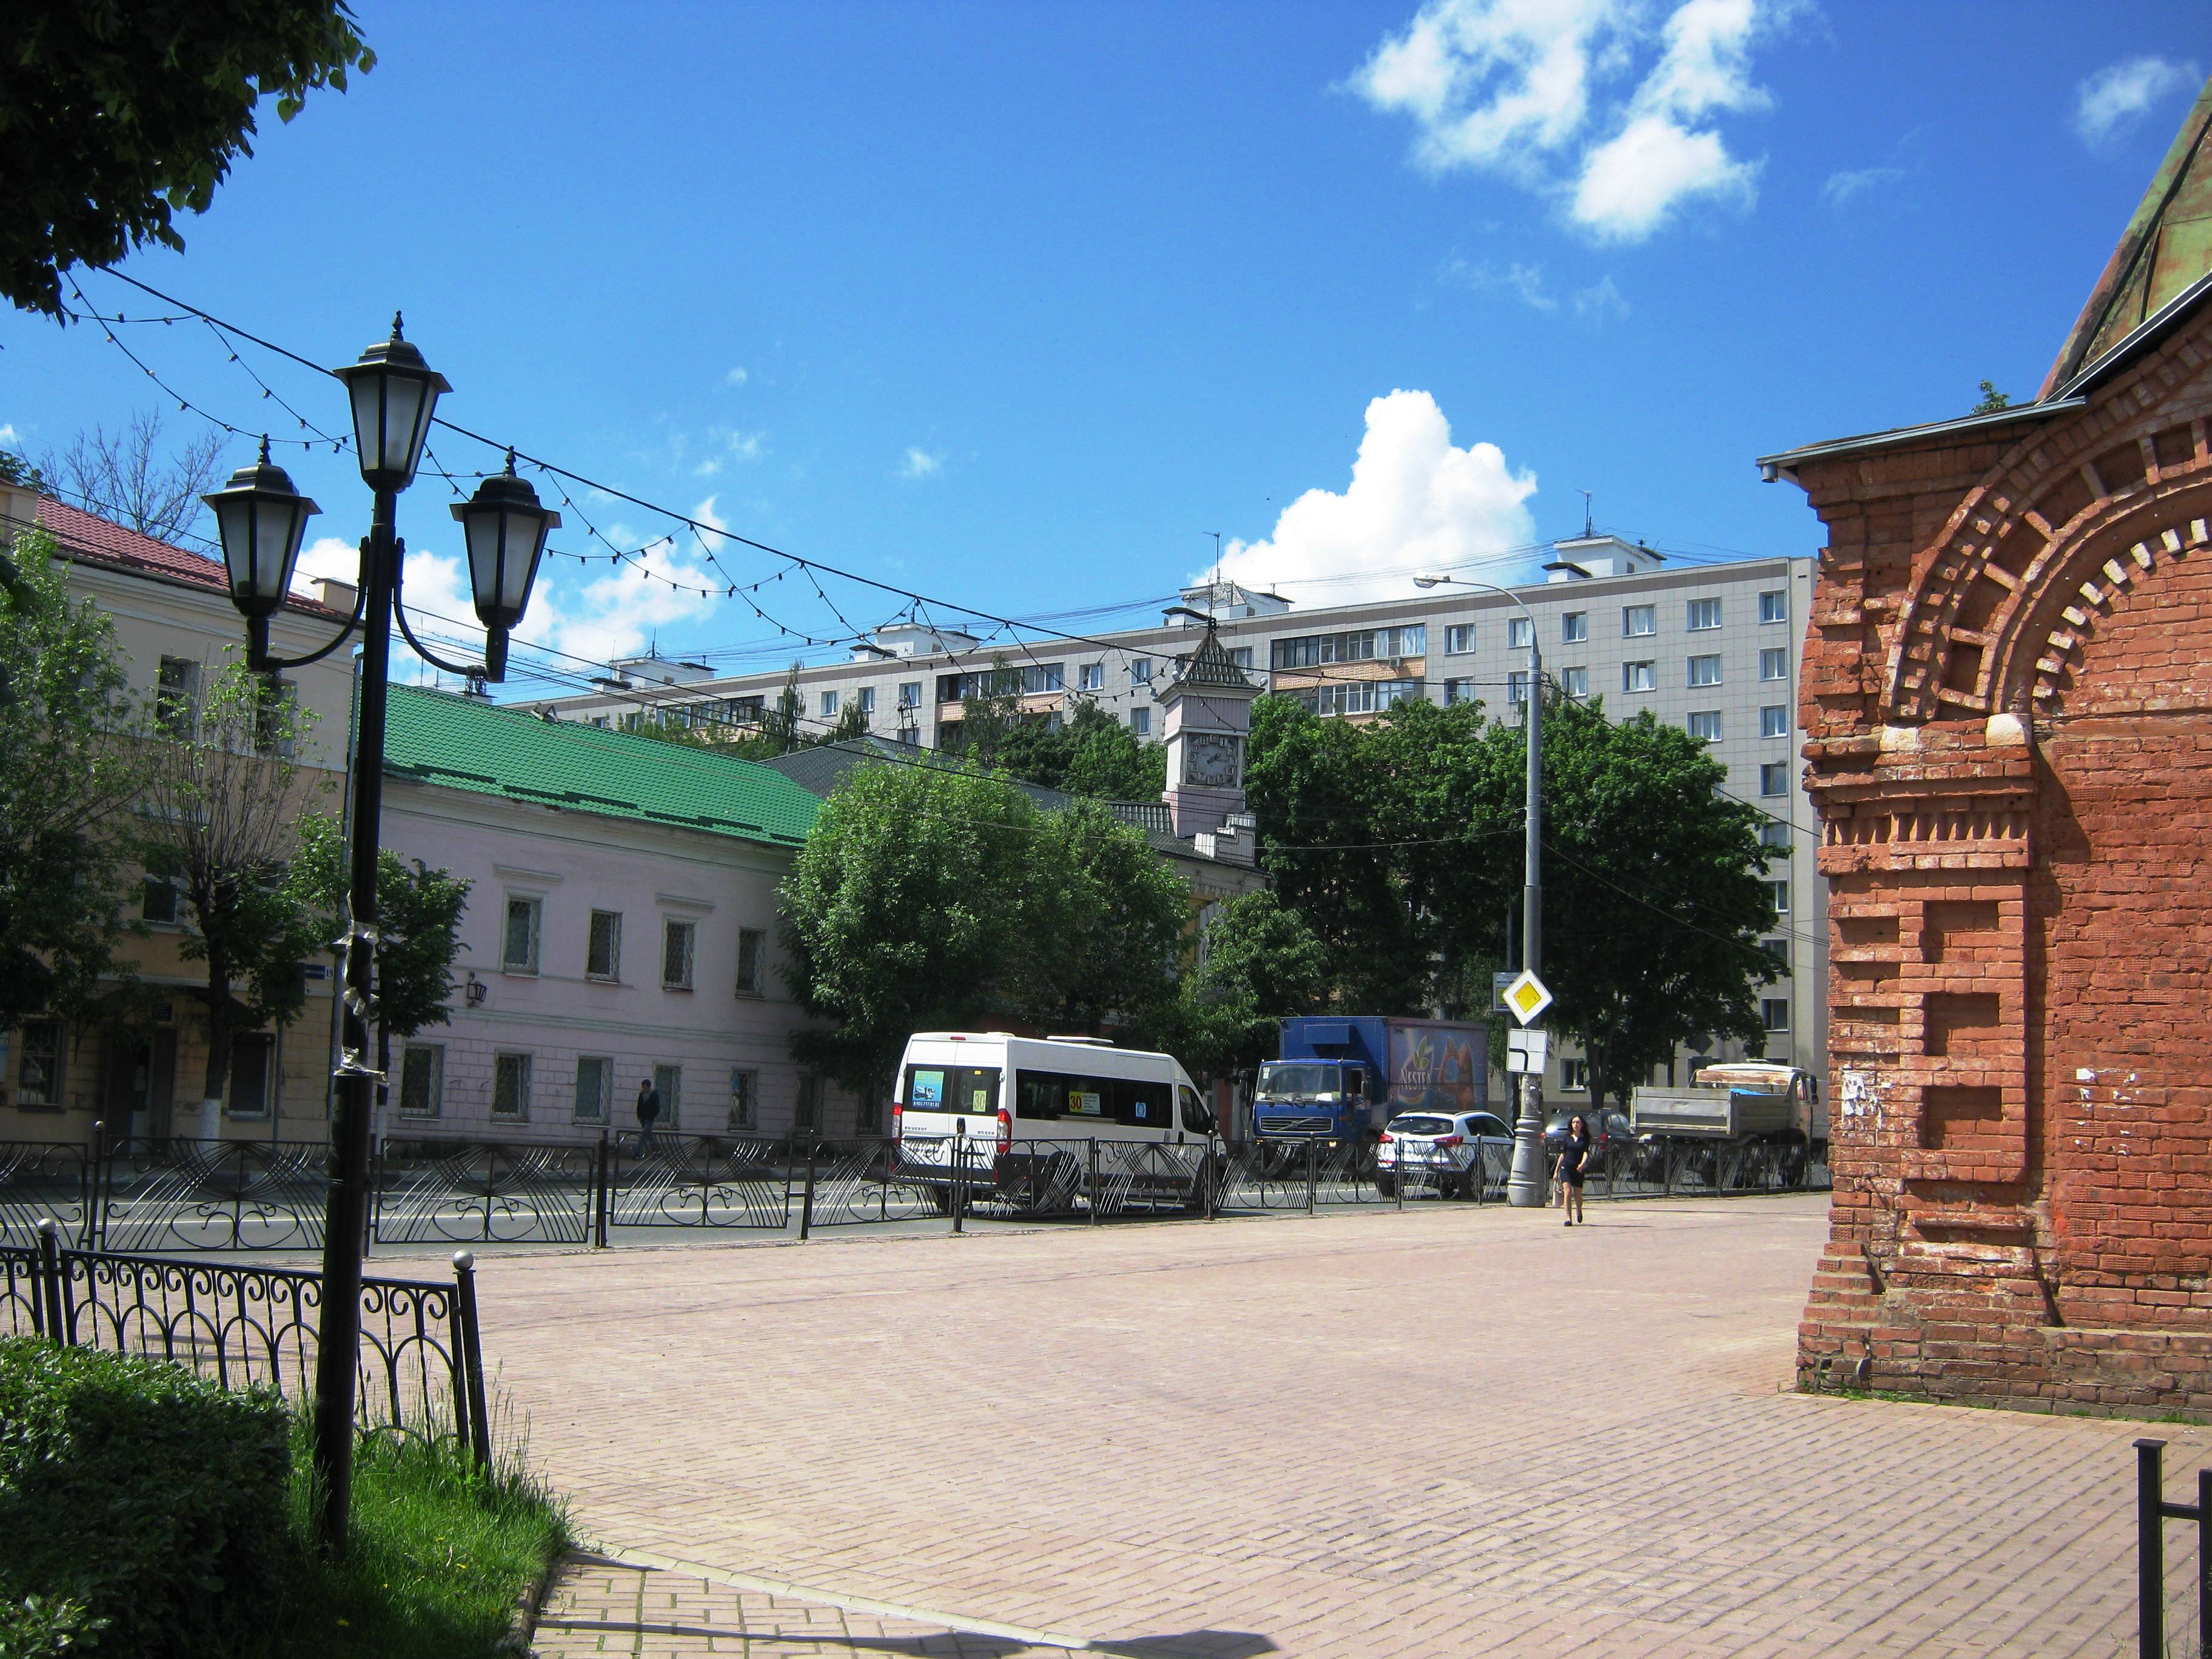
[1450, 1154]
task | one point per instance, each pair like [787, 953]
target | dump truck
[1735, 1106]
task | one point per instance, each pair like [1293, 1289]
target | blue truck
[1342, 1078]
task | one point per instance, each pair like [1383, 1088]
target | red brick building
[2008, 698]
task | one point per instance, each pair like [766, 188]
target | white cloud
[730, 447]
[1508, 87]
[1600, 299]
[919, 464]
[327, 556]
[2116, 95]
[9, 435]
[1415, 500]
[1842, 187]
[1525, 282]
[736, 376]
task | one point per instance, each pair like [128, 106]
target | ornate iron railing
[419, 1365]
[484, 1191]
[41, 1180]
[156, 1196]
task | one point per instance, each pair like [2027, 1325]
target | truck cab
[1313, 1098]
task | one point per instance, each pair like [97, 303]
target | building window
[1459, 639]
[807, 1113]
[868, 1117]
[1242, 656]
[910, 694]
[745, 711]
[1774, 663]
[1092, 676]
[274, 703]
[829, 705]
[1704, 614]
[1357, 696]
[251, 1053]
[422, 1080]
[510, 1088]
[1779, 891]
[1777, 956]
[1459, 691]
[752, 962]
[1774, 833]
[176, 694]
[1361, 644]
[1140, 670]
[1574, 1076]
[1639, 677]
[1638, 620]
[867, 699]
[1774, 1012]
[1774, 720]
[1575, 682]
[160, 899]
[1574, 627]
[1040, 677]
[595, 1084]
[1517, 631]
[39, 1074]
[1517, 687]
[668, 1083]
[1774, 778]
[1140, 722]
[985, 683]
[1774, 606]
[518, 950]
[1705, 725]
[603, 954]
[676, 942]
[1704, 671]
[744, 1091]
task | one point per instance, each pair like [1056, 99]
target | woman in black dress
[1570, 1171]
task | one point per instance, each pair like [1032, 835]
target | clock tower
[1208, 718]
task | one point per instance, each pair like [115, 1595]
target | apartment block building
[1714, 648]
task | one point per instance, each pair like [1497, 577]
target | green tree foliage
[68, 774]
[1261, 964]
[1654, 894]
[115, 116]
[1400, 844]
[222, 798]
[418, 920]
[1992, 400]
[1089, 753]
[934, 898]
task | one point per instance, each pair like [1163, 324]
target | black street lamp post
[393, 393]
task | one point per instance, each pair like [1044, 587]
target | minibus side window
[1197, 1115]
[1145, 1105]
[970, 1088]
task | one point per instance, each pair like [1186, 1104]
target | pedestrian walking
[1569, 1171]
[648, 1114]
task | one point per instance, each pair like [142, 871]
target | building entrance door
[140, 1075]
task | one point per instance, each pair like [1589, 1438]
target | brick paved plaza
[1449, 1431]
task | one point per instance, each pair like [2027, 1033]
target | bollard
[88, 1190]
[806, 1200]
[959, 1179]
[46, 1315]
[2150, 1551]
[470, 1358]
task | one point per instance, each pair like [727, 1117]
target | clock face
[1210, 760]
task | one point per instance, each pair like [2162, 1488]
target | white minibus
[1017, 1118]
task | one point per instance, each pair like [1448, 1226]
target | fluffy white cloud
[9, 435]
[2116, 95]
[736, 376]
[1415, 502]
[919, 464]
[1509, 86]
[326, 555]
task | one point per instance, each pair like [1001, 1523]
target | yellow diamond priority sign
[1527, 997]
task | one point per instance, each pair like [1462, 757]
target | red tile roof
[91, 539]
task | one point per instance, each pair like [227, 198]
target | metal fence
[421, 1361]
[169, 1197]
[2155, 1636]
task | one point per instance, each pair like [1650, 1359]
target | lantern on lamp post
[394, 395]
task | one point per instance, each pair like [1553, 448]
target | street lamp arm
[261, 660]
[466, 671]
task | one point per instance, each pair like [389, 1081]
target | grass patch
[440, 1551]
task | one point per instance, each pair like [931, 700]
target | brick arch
[2056, 498]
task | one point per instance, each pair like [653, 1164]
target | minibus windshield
[970, 1088]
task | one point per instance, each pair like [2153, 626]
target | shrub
[146, 1496]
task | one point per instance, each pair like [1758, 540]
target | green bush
[147, 1496]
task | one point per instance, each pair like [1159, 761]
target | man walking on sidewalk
[648, 1114]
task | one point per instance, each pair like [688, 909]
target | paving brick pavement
[1452, 1432]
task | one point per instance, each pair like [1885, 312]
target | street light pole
[1526, 1186]
[263, 519]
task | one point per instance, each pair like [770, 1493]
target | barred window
[510, 1087]
[676, 938]
[595, 1080]
[603, 954]
[422, 1080]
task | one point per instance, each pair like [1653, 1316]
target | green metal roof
[463, 743]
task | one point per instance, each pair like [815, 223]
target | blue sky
[1013, 304]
